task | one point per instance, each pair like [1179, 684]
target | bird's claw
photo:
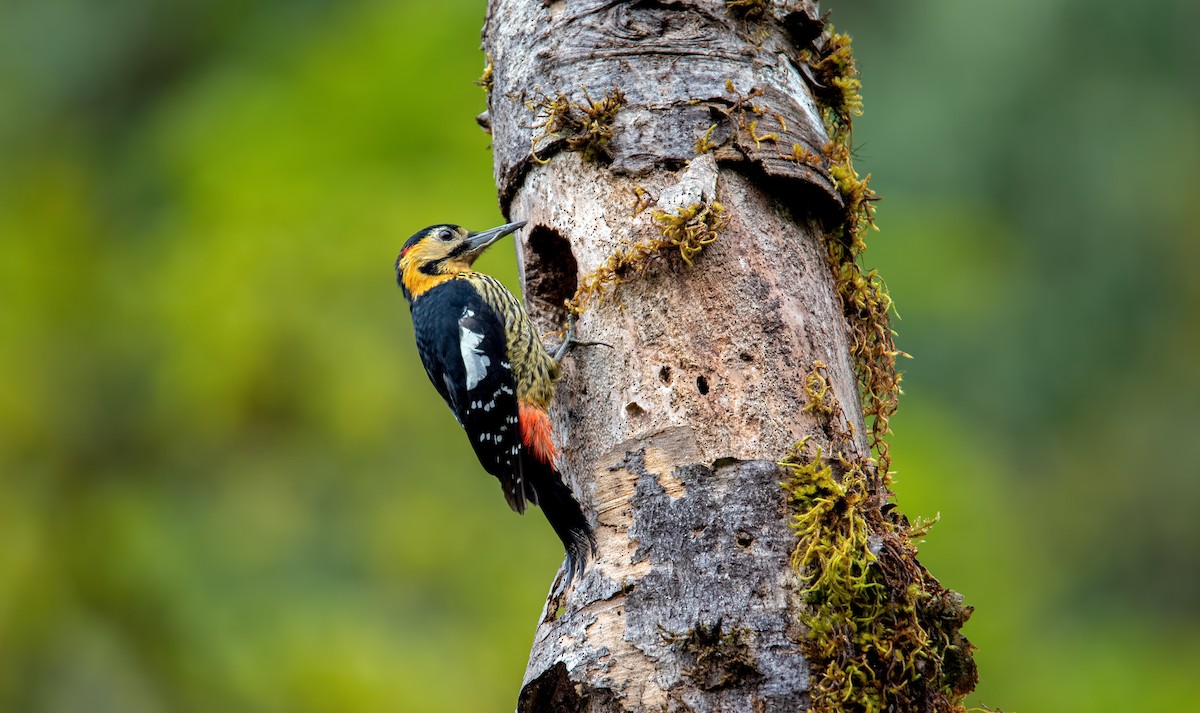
[569, 340]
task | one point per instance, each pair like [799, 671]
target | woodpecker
[484, 357]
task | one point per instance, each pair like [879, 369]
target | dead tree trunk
[690, 197]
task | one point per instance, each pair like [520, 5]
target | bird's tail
[545, 487]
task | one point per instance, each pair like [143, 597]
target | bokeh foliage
[226, 485]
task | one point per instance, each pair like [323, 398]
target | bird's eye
[445, 234]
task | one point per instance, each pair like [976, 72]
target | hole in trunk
[551, 277]
[702, 385]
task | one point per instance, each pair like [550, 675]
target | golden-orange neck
[418, 282]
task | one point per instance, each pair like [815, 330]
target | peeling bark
[671, 437]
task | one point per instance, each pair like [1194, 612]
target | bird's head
[440, 252]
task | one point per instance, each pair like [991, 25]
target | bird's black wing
[462, 345]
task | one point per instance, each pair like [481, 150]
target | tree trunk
[683, 198]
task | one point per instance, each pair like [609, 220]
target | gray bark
[670, 438]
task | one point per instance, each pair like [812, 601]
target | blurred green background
[226, 485]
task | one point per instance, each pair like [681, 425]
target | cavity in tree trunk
[685, 171]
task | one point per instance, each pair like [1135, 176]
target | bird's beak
[478, 242]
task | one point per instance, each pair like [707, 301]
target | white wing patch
[474, 360]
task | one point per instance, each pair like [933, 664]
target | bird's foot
[569, 340]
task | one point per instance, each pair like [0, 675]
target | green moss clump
[838, 90]
[816, 385]
[866, 305]
[692, 227]
[882, 633]
[865, 301]
[760, 138]
[721, 660]
[585, 127]
[486, 79]
[704, 144]
[802, 155]
[688, 229]
[747, 9]
[745, 115]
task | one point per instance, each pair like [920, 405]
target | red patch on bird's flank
[537, 434]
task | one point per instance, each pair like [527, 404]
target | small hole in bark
[746, 357]
[664, 374]
[744, 539]
[551, 276]
[634, 409]
[702, 385]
